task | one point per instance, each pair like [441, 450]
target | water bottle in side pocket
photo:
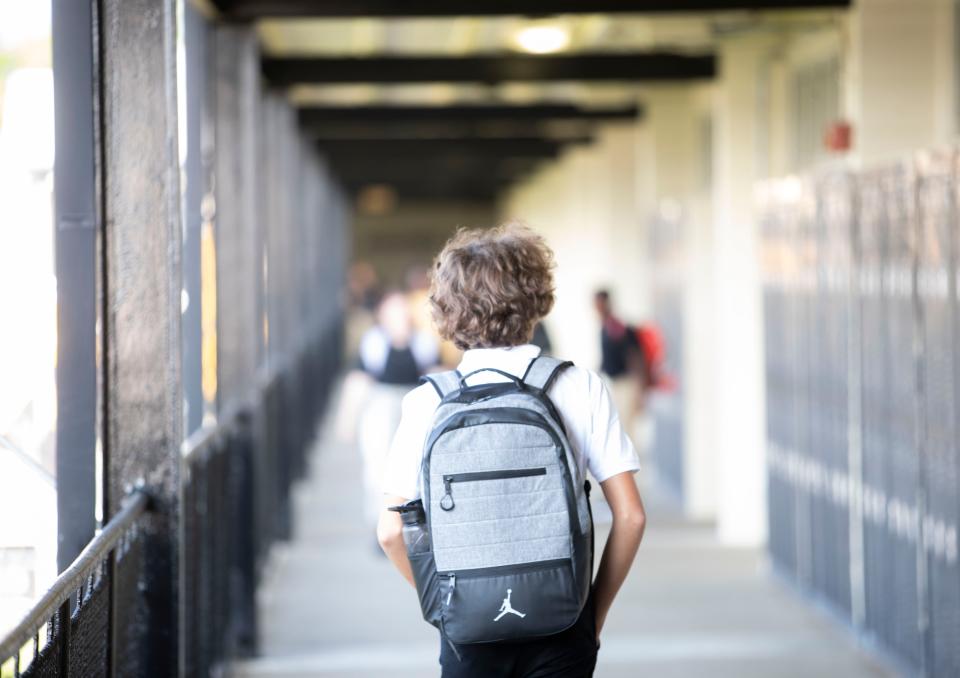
[415, 534]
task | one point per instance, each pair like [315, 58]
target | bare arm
[629, 520]
[390, 536]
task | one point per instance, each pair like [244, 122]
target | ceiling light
[543, 39]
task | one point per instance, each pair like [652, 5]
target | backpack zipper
[446, 501]
[500, 570]
[453, 584]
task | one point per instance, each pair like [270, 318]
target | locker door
[874, 385]
[901, 421]
[937, 296]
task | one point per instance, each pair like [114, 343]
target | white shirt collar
[512, 359]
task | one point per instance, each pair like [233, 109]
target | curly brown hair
[489, 287]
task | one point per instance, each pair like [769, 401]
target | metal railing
[79, 597]
[236, 480]
[218, 557]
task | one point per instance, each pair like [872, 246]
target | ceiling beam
[318, 115]
[435, 185]
[431, 170]
[428, 137]
[419, 149]
[433, 174]
[631, 67]
[433, 194]
[560, 131]
[552, 122]
[430, 193]
[448, 184]
[256, 9]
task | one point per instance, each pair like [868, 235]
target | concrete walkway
[330, 605]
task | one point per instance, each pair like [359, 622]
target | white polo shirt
[580, 396]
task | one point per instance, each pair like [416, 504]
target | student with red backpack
[621, 361]
[632, 357]
[488, 503]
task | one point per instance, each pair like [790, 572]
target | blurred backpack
[654, 352]
[506, 509]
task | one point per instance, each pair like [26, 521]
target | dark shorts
[568, 654]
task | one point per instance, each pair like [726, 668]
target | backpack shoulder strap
[543, 370]
[444, 383]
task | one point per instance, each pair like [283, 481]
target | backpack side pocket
[428, 585]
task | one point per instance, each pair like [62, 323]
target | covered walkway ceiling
[454, 100]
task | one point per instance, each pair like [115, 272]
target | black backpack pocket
[509, 602]
[428, 586]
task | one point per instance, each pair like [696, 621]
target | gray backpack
[507, 511]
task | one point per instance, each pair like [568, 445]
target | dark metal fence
[171, 590]
[237, 481]
[236, 502]
[863, 386]
[70, 630]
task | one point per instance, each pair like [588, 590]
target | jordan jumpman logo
[506, 607]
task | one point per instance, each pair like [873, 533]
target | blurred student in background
[622, 362]
[392, 357]
[418, 286]
[363, 293]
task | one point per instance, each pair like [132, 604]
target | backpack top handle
[444, 383]
[540, 375]
[516, 380]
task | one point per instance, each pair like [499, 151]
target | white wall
[585, 204]
[900, 83]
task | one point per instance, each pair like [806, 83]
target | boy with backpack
[486, 476]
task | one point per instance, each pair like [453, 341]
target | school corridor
[217, 224]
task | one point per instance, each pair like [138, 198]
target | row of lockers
[863, 385]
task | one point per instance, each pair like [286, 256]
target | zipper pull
[453, 583]
[446, 501]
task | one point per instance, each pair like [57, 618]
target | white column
[739, 412]
[699, 368]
